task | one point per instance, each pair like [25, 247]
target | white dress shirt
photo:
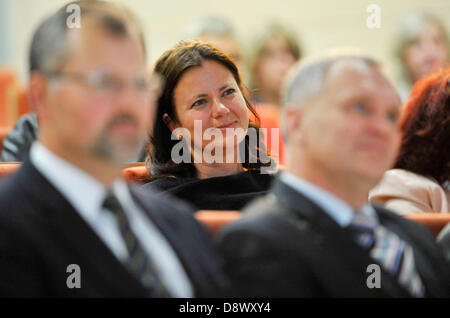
[86, 195]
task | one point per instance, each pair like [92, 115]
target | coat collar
[74, 233]
[332, 236]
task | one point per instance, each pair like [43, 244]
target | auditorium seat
[9, 91]
[215, 219]
[270, 118]
[434, 221]
[7, 168]
[23, 102]
[136, 172]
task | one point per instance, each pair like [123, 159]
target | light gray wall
[321, 24]
[6, 45]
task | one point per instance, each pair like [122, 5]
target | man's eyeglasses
[107, 85]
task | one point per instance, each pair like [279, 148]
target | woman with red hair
[419, 181]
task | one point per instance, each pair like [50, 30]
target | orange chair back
[8, 98]
[8, 168]
[14, 100]
[434, 221]
[216, 219]
[23, 102]
[135, 173]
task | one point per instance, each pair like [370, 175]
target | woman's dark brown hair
[425, 126]
[171, 66]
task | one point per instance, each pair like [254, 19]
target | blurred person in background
[17, 144]
[272, 54]
[421, 46]
[219, 32]
[420, 180]
[203, 86]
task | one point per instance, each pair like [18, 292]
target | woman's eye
[199, 102]
[359, 108]
[229, 91]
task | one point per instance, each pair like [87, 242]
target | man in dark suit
[314, 235]
[69, 225]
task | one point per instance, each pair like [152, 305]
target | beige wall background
[320, 24]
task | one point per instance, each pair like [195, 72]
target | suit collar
[422, 251]
[334, 206]
[191, 263]
[73, 232]
[333, 237]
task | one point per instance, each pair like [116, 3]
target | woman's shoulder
[408, 179]
[253, 178]
[245, 179]
[167, 183]
[402, 185]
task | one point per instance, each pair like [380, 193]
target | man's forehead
[348, 69]
[350, 77]
[93, 41]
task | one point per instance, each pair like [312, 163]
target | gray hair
[209, 26]
[306, 79]
[49, 46]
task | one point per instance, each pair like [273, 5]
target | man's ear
[293, 120]
[38, 93]
[170, 123]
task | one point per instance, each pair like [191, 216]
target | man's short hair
[306, 79]
[49, 47]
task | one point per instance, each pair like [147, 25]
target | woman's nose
[218, 109]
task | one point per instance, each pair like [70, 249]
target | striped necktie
[395, 255]
[139, 262]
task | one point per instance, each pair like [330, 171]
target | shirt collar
[83, 191]
[337, 209]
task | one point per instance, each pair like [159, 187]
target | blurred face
[427, 53]
[273, 65]
[351, 130]
[99, 106]
[227, 45]
[210, 95]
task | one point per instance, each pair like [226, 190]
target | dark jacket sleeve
[18, 142]
[444, 241]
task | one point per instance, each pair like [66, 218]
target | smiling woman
[204, 97]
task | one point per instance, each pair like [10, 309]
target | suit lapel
[75, 234]
[178, 243]
[422, 259]
[334, 237]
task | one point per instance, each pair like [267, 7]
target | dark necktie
[139, 262]
[393, 254]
